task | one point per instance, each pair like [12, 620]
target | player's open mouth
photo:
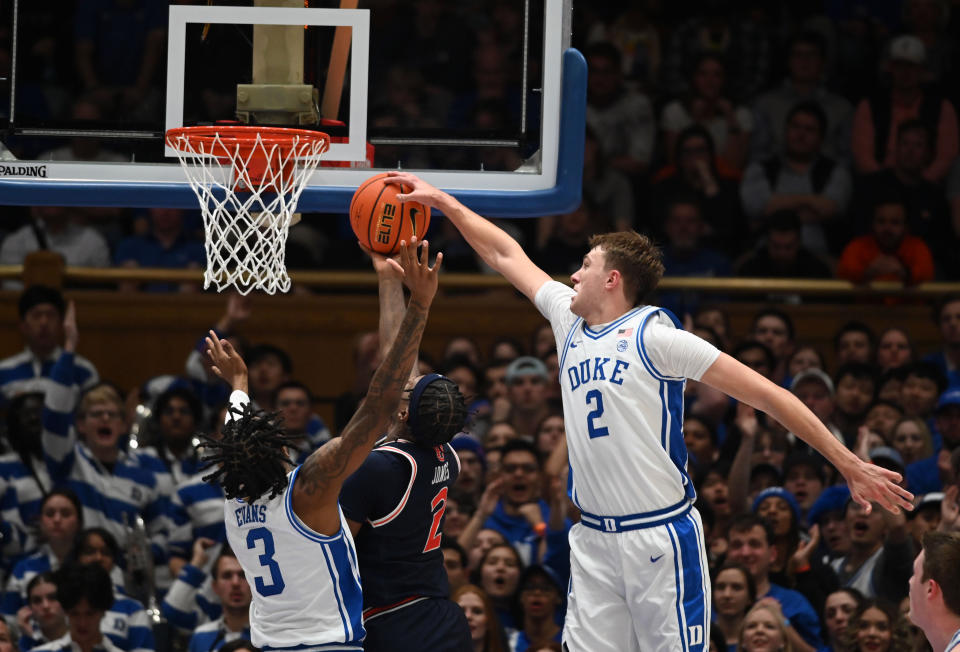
[860, 527]
[104, 432]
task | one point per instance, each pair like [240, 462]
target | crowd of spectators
[82, 463]
[786, 139]
[765, 118]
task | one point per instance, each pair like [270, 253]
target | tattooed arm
[390, 283]
[321, 476]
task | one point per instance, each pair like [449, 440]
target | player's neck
[940, 633]
[610, 311]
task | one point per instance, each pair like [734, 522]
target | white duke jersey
[305, 586]
[622, 386]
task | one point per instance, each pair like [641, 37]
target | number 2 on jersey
[438, 504]
[276, 584]
[595, 398]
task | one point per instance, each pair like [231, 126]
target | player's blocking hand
[227, 363]
[422, 191]
[418, 275]
[870, 483]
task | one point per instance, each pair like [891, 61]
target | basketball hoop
[248, 180]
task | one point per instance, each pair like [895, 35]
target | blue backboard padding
[562, 198]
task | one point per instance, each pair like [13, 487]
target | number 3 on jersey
[595, 399]
[276, 584]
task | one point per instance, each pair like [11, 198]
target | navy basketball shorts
[435, 624]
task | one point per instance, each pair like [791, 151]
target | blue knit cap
[463, 441]
[831, 499]
[780, 492]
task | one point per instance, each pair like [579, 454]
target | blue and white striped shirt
[108, 495]
[213, 635]
[191, 600]
[127, 625]
[26, 372]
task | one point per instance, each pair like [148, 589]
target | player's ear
[403, 415]
[614, 279]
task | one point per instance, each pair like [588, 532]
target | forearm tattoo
[329, 463]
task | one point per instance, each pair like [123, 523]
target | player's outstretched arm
[318, 483]
[390, 292]
[868, 482]
[495, 247]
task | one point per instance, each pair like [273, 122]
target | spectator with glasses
[113, 484]
[522, 516]
[541, 596]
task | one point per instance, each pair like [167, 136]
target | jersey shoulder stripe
[566, 345]
[298, 525]
[642, 348]
[406, 494]
[452, 452]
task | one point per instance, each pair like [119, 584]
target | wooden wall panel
[132, 337]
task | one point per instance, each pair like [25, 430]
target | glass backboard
[483, 98]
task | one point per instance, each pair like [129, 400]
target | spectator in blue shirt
[750, 543]
[165, 245]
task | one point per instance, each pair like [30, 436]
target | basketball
[380, 221]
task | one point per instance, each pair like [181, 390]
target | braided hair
[437, 410]
[250, 458]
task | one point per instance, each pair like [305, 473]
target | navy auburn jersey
[399, 494]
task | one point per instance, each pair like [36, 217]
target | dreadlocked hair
[441, 413]
[249, 458]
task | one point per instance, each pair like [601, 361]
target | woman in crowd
[125, 621]
[911, 437]
[61, 517]
[763, 629]
[875, 627]
[499, 576]
[485, 631]
[839, 607]
[734, 592]
[43, 619]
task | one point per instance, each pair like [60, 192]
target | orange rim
[243, 135]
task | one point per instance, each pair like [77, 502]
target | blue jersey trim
[299, 525]
[571, 487]
[636, 521]
[596, 335]
[704, 585]
[676, 581]
[566, 344]
[642, 348]
[336, 593]
[693, 598]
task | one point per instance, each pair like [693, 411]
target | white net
[248, 190]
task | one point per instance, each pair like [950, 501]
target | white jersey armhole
[406, 494]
